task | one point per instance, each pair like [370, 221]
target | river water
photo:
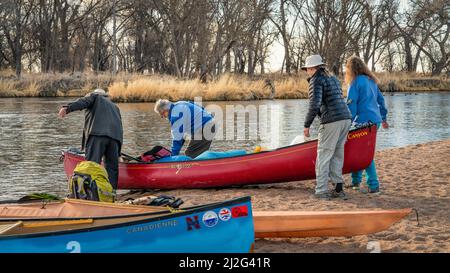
[32, 135]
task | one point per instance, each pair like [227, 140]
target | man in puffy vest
[103, 132]
[327, 102]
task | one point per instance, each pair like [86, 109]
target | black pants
[99, 146]
[198, 146]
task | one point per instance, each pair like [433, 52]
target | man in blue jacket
[188, 119]
[327, 102]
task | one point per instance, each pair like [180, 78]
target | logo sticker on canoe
[210, 218]
[224, 214]
[357, 135]
[240, 211]
[192, 222]
[182, 166]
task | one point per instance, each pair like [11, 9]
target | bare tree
[330, 28]
[281, 23]
[191, 38]
[376, 33]
[17, 14]
[434, 30]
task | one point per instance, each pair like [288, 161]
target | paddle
[33, 197]
[129, 157]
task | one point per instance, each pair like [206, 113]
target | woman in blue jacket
[366, 103]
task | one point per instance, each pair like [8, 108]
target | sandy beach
[416, 176]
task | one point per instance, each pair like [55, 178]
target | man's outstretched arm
[79, 104]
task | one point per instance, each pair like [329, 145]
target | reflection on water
[32, 135]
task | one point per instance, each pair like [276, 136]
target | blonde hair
[355, 67]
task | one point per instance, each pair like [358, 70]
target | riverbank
[416, 176]
[126, 87]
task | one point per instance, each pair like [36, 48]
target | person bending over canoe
[366, 103]
[188, 119]
[327, 102]
[103, 132]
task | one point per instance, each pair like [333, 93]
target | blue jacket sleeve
[352, 99]
[176, 146]
[177, 140]
[381, 105]
[177, 128]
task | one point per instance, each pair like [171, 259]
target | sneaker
[323, 196]
[353, 186]
[341, 195]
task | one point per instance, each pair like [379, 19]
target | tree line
[192, 38]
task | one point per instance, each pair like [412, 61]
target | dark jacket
[102, 117]
[326, 99]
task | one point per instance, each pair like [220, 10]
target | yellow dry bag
[90, 182]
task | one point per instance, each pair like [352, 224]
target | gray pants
[99, 146]
[330, 153]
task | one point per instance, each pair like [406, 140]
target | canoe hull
[192, 231]
[324, 224]
[292, 163]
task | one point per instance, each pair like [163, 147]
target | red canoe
[291, 163]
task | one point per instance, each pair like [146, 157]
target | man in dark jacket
[327, 102]
[103, 133]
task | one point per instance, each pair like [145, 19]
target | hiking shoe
[341, 195]
[323, 196]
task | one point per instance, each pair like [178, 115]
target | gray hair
[162, 105]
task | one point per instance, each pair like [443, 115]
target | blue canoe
[94, 227]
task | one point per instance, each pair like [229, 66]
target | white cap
[100, 92]
[313, 61]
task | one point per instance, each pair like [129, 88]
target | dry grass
[226, 88]
[412, 82]
[129, 87]
[7, 73]
[50, 84]
[151, 88]
[32, 89]
[293, 87]
[7, 88]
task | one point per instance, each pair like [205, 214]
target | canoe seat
[8, 227]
